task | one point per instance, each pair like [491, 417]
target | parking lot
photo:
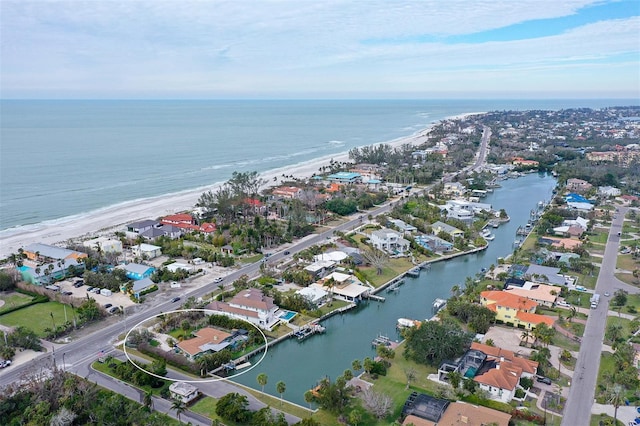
[116, 299]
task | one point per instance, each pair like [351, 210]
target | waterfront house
[454, 188]
[178, 219]
[389, 241]
[314, 294]
[344, 287]
[402, 226]
[206, 340]
[320, 268]
[45, 273]
[514, 310]
[136, 228]
[137, 271]
[545, 274]
[46, 253]
[438, 227]
[345, 178]
[146, 251]
[249, 305]
[104, 244]
[434, 244]
[182, 391]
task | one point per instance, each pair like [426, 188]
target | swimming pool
[287, 315]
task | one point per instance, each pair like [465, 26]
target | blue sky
[320, 49]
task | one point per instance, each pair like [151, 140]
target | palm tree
[356, 365]
[615, 397]
[526, 334]
[180, 408]
[262, 380]
[308, 397]
[280, 388]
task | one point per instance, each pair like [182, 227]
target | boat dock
[376, 297]
[308, 330]
[413, 272]
[381, 340]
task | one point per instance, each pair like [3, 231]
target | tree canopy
[434, 342]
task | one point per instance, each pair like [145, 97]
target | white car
[563, 304]
[217, 280]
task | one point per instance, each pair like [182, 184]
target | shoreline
[106, 220]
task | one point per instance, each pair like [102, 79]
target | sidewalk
[626, 413]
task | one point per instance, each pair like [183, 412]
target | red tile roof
[203, 336]
[534, 318]
[501, 298]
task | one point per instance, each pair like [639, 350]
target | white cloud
[256, 46]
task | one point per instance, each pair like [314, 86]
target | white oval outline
[124, 348]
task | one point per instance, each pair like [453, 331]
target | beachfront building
[514, 310]
[249, 305]
[438, 227]
[136, 228]
[104, 245]
[389, 241]
[288, 192]
[43, 253]
[343, 287]
[146, 251]
[182, 391]
[345, 178]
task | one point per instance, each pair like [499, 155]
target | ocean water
[66, 158]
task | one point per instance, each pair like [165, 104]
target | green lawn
[596, 420]
[599, 235]
[38, 317]
[626, 262]
[626, 329]
[206, 406]
[13, 299]
[579, 298]
[565, 342]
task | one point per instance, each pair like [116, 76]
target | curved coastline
[107, 219]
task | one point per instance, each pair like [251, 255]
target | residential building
[104, 244]
[389, 241]
[343, 286]
[514, 310]
[249, 305]
[206, 340]
[608, 191]
[345, 177]
[402, 226]
[46, 253]
[320, 268]
[146, 251]
[433, 243]
[578, 185]
[183, 391]
[542, 294]
[141, 226]
[545, 274]
[289, 192]
[44, 273]
[173, 267]
[137, 271]
[141, 285]
[314, 294]
[462, 413]
[178, 219]
[438, 227]
[454, 188]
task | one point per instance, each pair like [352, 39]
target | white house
[314, 294]
[608, 191]
[388, 240]
[249, 305]
[183, 391]
[173, 267]
[343, 286]
[105, 244]
[146, 251]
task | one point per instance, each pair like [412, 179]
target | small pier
[309, 330]
[376, 297]
[437, 305]
[381, 340]
[413, 272]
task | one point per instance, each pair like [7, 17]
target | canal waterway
[300, 365]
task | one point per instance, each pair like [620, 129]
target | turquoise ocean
[61, 159]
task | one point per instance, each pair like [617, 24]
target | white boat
[489, 237]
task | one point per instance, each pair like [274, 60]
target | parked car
[175, 299]
[113, 309]
[79, 284]
[67, 293]
[287, 252]
[108, 305]
[89, 289]
[606, 294]
[545, 380]
[5, 363]
[96, 290]
[563, 304]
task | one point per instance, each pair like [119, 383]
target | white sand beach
[110, 219]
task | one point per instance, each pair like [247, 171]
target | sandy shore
[107, 220]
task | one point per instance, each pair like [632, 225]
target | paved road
[581, 396]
